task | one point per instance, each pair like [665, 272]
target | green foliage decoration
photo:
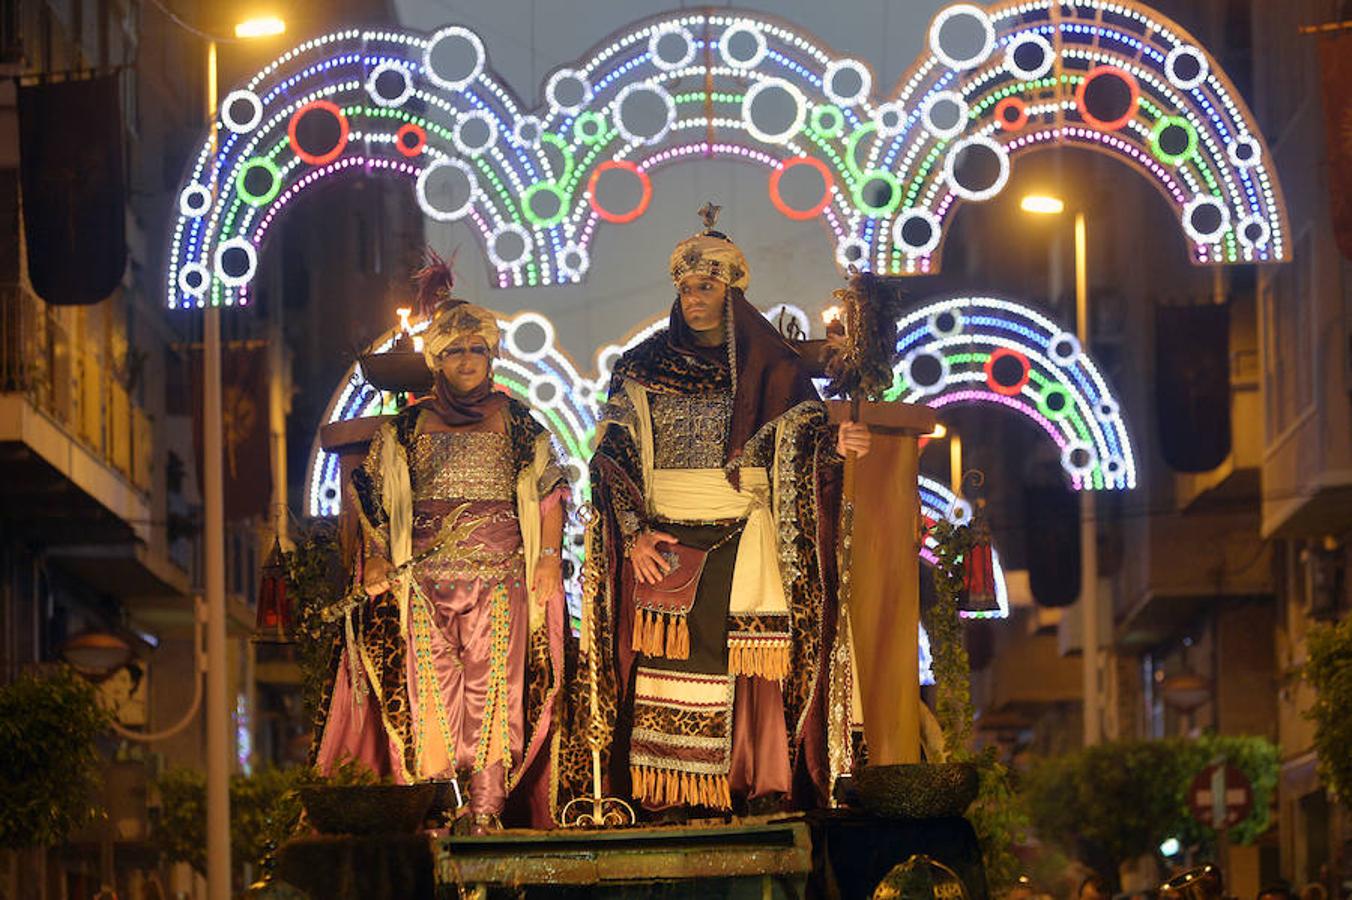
[997, 815]
[1328, 669]
[265, 811]
[50, 766]
[1117, 800]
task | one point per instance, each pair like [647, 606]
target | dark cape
[771, 387]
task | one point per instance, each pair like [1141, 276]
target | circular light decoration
[740, 27]
[495, 254]
[410, 140]
[945, 323]
[194, 201]
[382, 77]
[575, 89]
[1007, 371]
[574, 261]
[1253, 232]
[554, 204]
[1107, 410]
[526, 131]
[546, 392]
[1078, 458]
[645, 190]
[1011, 114]
[925, 370]
[889, 119]
[1114, 468]
[953, 20]
[748, 108]
[1205, 219]
[917, 232]
[467, 119]
[827, 120]
[1029, 56]
[1244, 151]
[512, 337]
[887, 188]
[236, 260]
[960, 513]
[976, 168]
[851, 250]
[665, 35]
[228, 110]
[944, 114]
[846, 98]
[472, 189]
[1107, 98]
[788, 165]
[1064, 349]
[590, 127]
[1186, 67]
[326, 123]
[634, 90]
[259, 181]
[193, 279]
[445, 39]
[1055, 402]
[1173, 139]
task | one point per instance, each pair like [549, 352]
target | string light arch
[1109, 75]
[994, 351]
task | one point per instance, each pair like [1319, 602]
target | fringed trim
[667, 787]
[758, 658]
[660, 634]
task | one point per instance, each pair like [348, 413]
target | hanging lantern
[978, 595]
[273, 622]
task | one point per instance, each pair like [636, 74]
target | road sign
[1220, 796]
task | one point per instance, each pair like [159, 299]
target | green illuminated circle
[1168, 129]
[274, 177]
[868, 183]
[828, 121]
[534, 218]
[1058, 408]
[590, 127]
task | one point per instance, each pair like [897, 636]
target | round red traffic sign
[1220, 796]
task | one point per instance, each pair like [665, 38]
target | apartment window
[1289, 341]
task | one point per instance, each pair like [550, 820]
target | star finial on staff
[709, 212]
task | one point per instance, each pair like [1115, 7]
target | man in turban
[709, 600]
[452, 668]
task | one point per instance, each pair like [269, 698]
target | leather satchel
[660, 609]
[675, 593]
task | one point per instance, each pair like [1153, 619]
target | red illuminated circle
[1010, 388]
[1011, 114]
[319, 107]
[1107, 74]
[632, 169]
[410, 140]
[793, 162]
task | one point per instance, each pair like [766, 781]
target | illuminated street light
[1042, 204]
[263, 26]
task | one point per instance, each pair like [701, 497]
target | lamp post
[1042, 204]
[213, 490]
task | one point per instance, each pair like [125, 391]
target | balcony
[77, 450]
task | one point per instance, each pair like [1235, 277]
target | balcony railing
[73, 384]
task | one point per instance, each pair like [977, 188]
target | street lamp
[218, 702]
[1048, 205]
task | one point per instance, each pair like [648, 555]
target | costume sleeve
[617, 463]
[366, 490]
[553, 476]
